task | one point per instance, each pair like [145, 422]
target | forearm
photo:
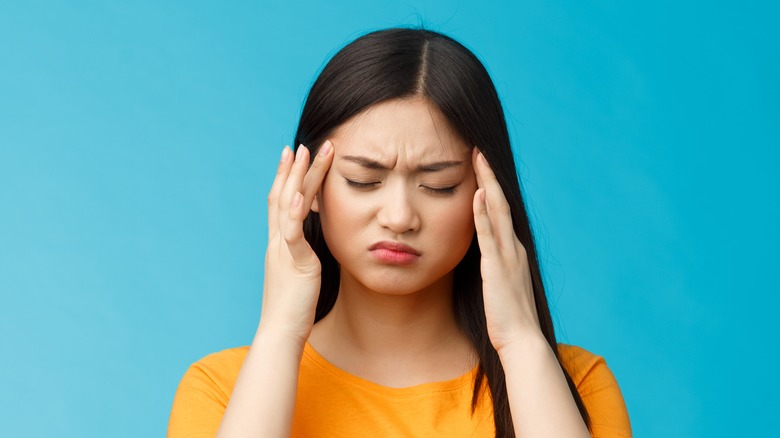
[539, 397]
[263, 399]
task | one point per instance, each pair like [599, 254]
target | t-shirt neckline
[453, 384]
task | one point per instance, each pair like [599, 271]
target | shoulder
[216, 372]
[579, 362]
[204, 392]
[599, 391]
[223, 361]
[220, 368]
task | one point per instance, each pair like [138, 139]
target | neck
[369, 333]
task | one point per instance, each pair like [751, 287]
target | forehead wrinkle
[371, 164]
[356, 123]
[433, 113]
[399, 144]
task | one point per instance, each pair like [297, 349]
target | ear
[315, 205]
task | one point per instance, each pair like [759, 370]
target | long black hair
[402, 63]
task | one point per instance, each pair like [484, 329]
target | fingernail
[325, 148]
[299, 154]
[484, 161]
[285, 155]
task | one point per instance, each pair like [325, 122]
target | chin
[397, 283]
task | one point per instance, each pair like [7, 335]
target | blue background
[138, 142]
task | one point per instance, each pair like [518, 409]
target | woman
[402, 294]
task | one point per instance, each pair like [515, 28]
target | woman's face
[400, 175]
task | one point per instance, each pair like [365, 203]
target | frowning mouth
[394, 253]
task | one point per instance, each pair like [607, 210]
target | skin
[368, 331]
[379, 305]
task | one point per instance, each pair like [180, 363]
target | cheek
[464, 213]
[462, 231]
[463, 219]
[337, 210]
[328, 194]
[456, 220]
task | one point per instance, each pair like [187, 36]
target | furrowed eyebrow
[368, 163]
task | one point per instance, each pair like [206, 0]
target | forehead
[405, 130]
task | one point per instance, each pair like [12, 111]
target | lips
[394, 253]
[394, 246]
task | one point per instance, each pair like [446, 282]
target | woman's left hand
[506, 279]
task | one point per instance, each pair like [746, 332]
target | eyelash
[364, 186]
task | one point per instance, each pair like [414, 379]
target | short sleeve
[203, 395]
[599, 391]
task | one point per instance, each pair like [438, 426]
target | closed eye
[433, 190]
[360, 185]
[440, 191]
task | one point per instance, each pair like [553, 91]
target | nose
[397, 212]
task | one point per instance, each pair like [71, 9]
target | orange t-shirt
[333, 403]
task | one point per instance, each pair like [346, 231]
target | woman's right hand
[292, 269]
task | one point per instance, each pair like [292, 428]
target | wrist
[279, 340]
[523, 345]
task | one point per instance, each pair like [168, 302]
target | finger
[483, 226]
[497, 206]
[316, 174]
[292, 185]
[474, 157]
[282, 171]
[293, 233]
